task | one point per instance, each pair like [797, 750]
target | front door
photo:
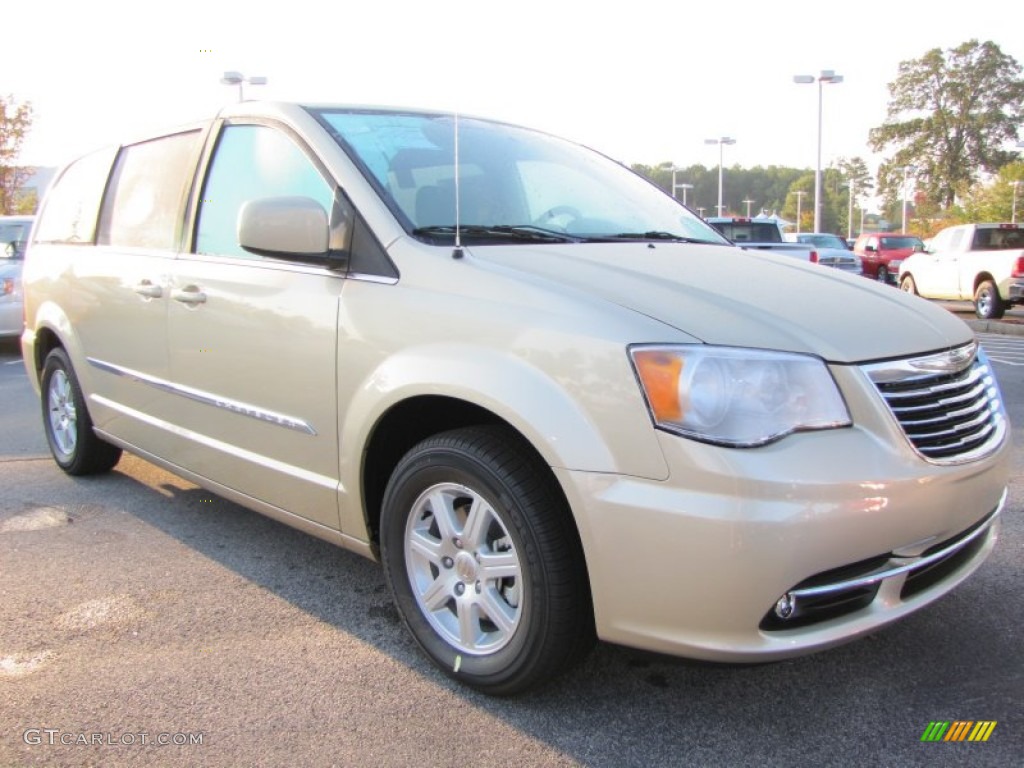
[253, 340]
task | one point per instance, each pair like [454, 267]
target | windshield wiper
[656, 235]
[497, 232]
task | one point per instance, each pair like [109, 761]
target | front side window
[249, 163]
[148, 188]
[510, 183]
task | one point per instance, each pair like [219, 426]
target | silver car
[552, 401]
[832, 250]
[14, 231]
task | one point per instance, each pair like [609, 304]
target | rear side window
[73, 203]
[144, 203]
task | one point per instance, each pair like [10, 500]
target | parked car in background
[14, 233]
[832, 250]
[549, 398]
[983, 263]
[881, 254]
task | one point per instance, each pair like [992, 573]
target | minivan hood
[728, 296]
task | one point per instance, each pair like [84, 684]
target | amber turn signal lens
[660, 372]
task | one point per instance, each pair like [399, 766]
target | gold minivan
[552, 401]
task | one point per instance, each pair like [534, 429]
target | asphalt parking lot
[145, 622]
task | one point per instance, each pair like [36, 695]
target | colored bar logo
[958, 730]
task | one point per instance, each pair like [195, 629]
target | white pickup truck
[979, 262]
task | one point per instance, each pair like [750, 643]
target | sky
[644, 81]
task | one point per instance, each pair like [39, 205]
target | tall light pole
[849, 215]
[236, 78]
[799, 207]
[720, 141]
[826, 76]
[1013, 208]
[903, 223]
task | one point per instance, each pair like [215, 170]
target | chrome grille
[947, 404]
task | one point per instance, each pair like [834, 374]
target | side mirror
[14, 249]
[292, 228]
[870, 249]
[919, 248]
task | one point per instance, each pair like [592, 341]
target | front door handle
[148, 289]
[189, 295]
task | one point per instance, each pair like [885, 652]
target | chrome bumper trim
[908, 564]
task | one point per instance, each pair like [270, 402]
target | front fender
[602, 428]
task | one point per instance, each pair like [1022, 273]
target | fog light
[785, 607]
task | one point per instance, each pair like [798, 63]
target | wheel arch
[982, 277]
[398, 429]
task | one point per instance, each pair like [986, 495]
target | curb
[996, 326]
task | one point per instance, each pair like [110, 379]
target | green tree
[995, 201]
[949, 115]
[799, 205]
[15, 121]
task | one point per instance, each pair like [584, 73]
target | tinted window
[891, 243]
[72, 205]
[252, 162]
[144, 203]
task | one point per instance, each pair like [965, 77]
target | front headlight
[737, 397]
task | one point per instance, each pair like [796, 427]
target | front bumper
[696, 565]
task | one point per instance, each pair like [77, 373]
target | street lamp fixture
[826, 76]
[748, 203]
[721, 141]
[236, 78]
[681, 186]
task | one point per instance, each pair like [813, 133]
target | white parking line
[1008, 350]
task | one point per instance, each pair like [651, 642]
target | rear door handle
[148, 289]
[189, 295]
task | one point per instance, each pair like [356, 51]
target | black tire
[908, 285]
[987, 303]
[66, 422]
[531, 618]
[883, 274]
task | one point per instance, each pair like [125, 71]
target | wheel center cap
[465, 566]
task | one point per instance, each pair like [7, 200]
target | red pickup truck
[882, 253]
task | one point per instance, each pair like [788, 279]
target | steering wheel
[553, 213]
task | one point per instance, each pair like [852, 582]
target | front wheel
[908, 285]
[882, 275]
[484, 562]
[987, 303]
[74, 445]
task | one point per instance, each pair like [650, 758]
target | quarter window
[148, 188]
[249, 163]
[73, 203]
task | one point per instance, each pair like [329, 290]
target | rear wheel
[484, 562]
[987, 303]
[907, 284]
[74, 445]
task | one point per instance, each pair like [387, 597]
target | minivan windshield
[514, 184]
